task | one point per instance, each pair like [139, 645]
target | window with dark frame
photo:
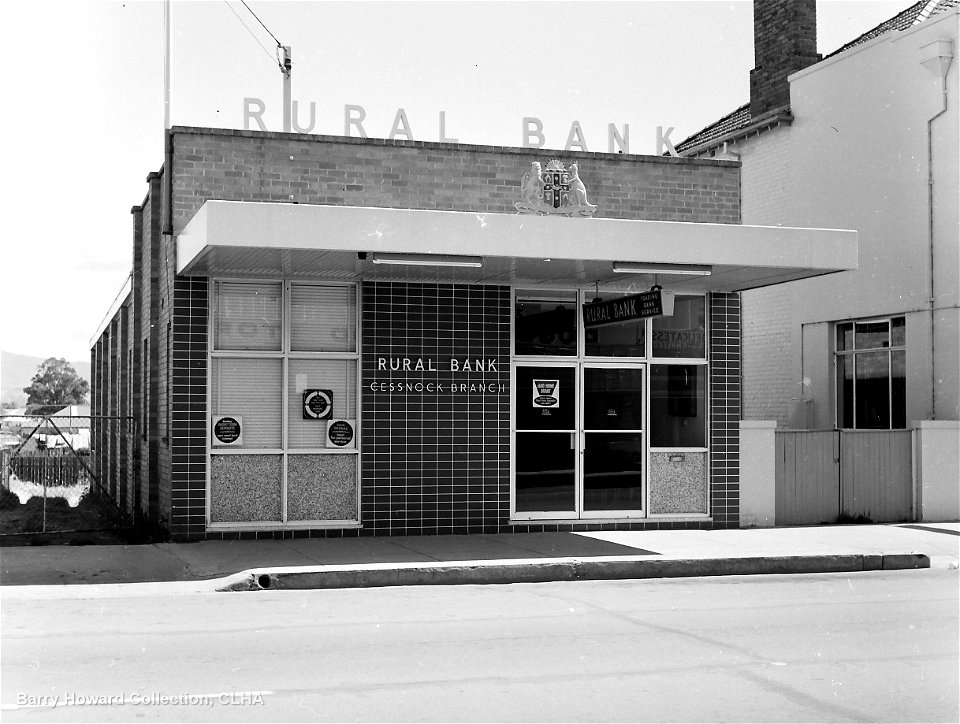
[871, 374]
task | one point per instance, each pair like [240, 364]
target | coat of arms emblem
[554, 190]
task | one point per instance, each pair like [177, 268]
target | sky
[83, 110]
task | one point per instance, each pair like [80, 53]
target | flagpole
[166, 65]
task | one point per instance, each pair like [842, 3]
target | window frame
[839, 355]
[285, 354]
[581, 360]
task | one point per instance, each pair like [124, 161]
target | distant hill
[16, 371]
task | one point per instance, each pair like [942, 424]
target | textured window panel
[678, 482]
[337, 376]
[323, 318]
[251, 388]
[245, 488]
[248, 316]
[322, 487]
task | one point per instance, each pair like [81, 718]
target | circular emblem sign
[317, 404]
[227, 430]
[340, 433]
[545, 401]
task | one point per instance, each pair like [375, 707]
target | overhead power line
[279, 44]
[247, 28]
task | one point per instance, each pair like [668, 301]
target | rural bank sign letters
[532, 131]
[421, 375]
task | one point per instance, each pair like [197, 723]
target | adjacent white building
[866, 139]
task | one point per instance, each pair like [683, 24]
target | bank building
[341, 336]
[330, 335]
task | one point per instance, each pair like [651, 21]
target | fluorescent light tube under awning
[622, 267]
[474, 262]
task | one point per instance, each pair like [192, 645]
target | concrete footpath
[500, 558]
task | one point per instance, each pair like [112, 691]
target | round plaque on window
[228, 430]
[340, 433]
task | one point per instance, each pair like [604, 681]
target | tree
[55, 385]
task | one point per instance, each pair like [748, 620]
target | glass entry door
[579, 447]
[546, 451]
[614, 451]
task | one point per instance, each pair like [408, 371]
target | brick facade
[432, 464]
[333, 170]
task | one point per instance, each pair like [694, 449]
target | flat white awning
[251, 239]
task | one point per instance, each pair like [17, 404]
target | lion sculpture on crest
[531, 185]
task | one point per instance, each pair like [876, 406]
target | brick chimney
[784, 41]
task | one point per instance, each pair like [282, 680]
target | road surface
[880, 646]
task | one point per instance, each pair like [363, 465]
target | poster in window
[546, 394]
[317, 404]
[228, 430]
[341, 433]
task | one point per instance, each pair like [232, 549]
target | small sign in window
[340, 433]
[317, 404]
[546, 394]
[228, 430]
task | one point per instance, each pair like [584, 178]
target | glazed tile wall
[435, 461]
[725, 410]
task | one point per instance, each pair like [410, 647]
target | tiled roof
[740, 118]
[731, 122]
[916, 13]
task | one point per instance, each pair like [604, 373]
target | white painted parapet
[936, 460]
[758, 479]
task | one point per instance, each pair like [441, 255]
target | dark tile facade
[436, 438]
[725, 409]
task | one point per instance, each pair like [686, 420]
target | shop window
[682, 335]
[249, 390]
[323, 319]
[247, 316]
[283, 399]
[617, 340]
[320, 391]
[546, 325]
[871, 374]
[678, 406]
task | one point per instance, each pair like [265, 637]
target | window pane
[323, 319]
[613, 471]
[338, 380]
[683, 334]
[250, 389]
[612, 399]
[247, 316]
[617, 340]
[872, 335]
[873, 390]
[898, 332]
[678, 406]
[546, 398]
[545, 471]
[845, 391]
[898, 384]
[546, 327]
[844, 337]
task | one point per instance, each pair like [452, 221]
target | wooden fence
[49, 470]
[826, 475]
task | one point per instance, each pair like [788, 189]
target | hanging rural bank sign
[531, 135]
[625, 309]
[421, 366]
